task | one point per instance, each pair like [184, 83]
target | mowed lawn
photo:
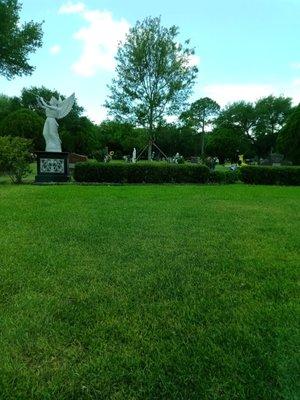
[149, 292]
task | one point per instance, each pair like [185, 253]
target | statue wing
[66, 106]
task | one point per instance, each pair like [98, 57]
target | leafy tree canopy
[79, 135]
[201, 114]
[272, 113]
[240, 114]
[121, 137]
[183, 140]
[17, 41]
[8, 105]
[26, 124]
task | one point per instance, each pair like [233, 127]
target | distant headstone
[276, 158]
[134, 155]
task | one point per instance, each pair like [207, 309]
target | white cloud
[228, 93]
[171, 119]
[194, 60]
[97, 114]
[100, 42]
[55, 49]
[71, 8]
[293, 91]
[100, 39]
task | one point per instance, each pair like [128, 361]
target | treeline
[203, 129]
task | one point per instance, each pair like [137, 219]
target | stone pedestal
[52, 167]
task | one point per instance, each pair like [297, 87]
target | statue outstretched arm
[45, 105]
[41, 102]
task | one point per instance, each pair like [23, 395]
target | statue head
[55, 102]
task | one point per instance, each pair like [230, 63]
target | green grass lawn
[149, 292]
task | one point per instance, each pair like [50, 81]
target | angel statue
[56, 109]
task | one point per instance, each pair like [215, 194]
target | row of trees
[204, 128]
[248, 128]
[154, 79]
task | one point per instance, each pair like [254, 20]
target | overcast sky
[245, 49]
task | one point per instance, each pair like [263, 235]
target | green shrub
[140, 173]
[223, 176]
[15, 157]
[263, 175]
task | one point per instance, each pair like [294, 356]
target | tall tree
[272, 113]
[201, 114]
[288, 141]
[16, 41]
[154, 76]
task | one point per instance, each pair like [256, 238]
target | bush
[140, 173]
[260, 175]
[223, 176]
[15, 157]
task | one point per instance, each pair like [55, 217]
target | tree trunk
[150, 150]
[150, 135]
[202, 143]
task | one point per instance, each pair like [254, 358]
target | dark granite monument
[52, 167]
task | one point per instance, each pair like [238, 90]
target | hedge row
[259, 175]
[140, 173]
[182, 173]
